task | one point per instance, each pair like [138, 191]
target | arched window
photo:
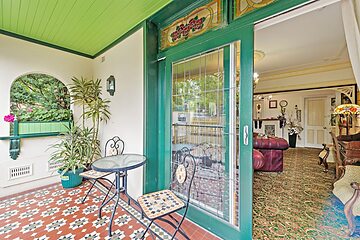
[41, 103]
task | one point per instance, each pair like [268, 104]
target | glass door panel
[205, 96]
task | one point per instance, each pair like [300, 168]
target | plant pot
[71, 179]
[292, 140]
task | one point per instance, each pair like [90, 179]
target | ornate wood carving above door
[245, 6]
[193, 24]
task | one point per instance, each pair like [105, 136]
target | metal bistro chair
[163, 203]
[113, 146]
[211, 179]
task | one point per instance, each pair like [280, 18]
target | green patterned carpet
[298, 203]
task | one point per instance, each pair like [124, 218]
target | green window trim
[15, 138]
[31, 135]
[43, 127]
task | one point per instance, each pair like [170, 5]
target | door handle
[324, 127]
[246, 135]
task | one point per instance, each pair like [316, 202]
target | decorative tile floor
[56, 213]
[295, 204]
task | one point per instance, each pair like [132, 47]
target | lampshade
[347, 109]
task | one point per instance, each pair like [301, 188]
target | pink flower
[29, 109]
[9, 118]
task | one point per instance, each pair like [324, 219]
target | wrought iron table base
[118, 190]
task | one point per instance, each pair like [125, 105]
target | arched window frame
[40, 112]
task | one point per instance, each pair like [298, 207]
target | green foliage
[81, 145]
[40, 97]
[198, 93]
[74, 150]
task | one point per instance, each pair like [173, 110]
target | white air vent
[53, 166]
[20, 171]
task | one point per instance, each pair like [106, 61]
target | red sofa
[272, 149]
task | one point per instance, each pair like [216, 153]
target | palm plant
[95, 109]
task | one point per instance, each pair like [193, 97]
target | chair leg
[147, 228]
[87, 194]
[107, 194]
[179, 225]
[180, 230]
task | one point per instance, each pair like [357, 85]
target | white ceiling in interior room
[314, 38]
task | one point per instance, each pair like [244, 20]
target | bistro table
[118, 164]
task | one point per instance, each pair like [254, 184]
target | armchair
[347, 190]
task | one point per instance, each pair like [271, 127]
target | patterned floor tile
[56, 213]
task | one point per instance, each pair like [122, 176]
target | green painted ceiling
[84, 26]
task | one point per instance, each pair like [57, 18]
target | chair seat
[92, 174]
[160, 203]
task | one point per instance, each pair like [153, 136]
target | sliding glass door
[205, 93]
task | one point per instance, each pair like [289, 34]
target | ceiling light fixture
[255, 79]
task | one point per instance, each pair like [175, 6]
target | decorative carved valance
[195, 23]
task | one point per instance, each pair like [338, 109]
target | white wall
[18, 57]
[293, 98]
[125, 62]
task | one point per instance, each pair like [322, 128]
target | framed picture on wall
[270, 130]
[273, 104]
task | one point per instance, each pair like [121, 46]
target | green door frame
[158, 136]
[213, 224]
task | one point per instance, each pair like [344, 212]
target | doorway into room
[302, 72]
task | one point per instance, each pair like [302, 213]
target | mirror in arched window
[41, 104]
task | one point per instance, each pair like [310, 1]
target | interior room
[179, 119]
[302, 74]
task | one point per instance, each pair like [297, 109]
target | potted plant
[294, 128]
[80, 145]
[71, 155]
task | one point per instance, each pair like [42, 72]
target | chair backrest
[206, 154]
[184, 167]
[114, 146]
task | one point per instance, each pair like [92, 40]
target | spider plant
[74, 150]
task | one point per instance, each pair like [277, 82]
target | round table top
[121, 162]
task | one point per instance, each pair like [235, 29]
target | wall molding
[304, 71]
